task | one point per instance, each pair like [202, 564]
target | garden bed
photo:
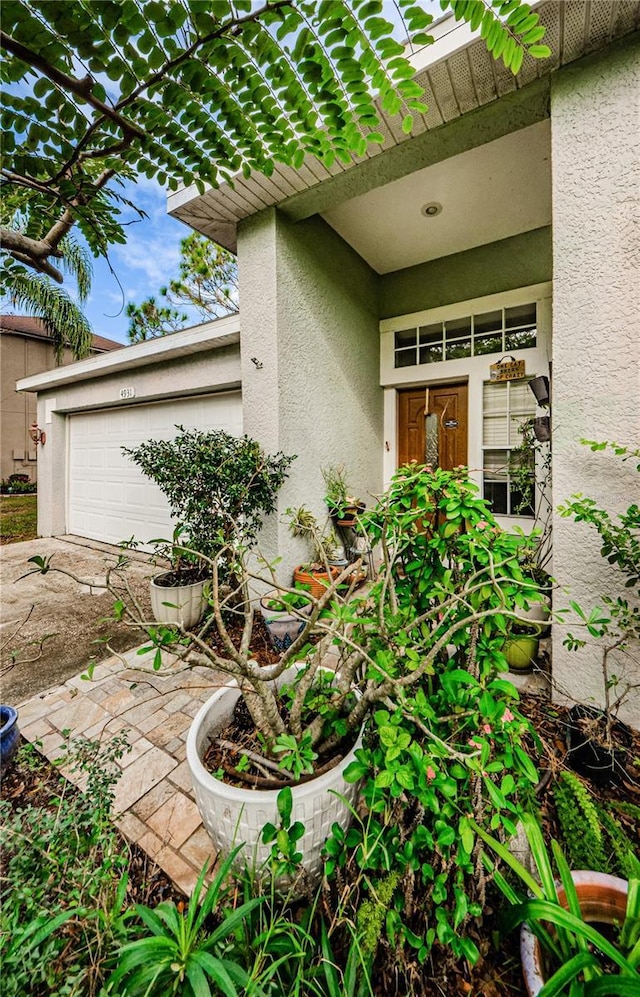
[33, 783]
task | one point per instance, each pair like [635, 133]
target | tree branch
[81, 88]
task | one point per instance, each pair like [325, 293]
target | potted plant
[219, 488]
[596, 738]
[315, 575]
[9, 733]
[287, 723]
[561, 950]
[284, 616]
[178, 594]
[521, 646]
[344, 508]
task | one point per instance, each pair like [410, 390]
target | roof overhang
[459, 77]
[197, 339]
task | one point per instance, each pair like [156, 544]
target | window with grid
[508, 473]
[503, 330]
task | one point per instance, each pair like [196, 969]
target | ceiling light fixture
[431, 209]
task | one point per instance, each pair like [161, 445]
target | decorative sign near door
[507, 369]
[451, 424]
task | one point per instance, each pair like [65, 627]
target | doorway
[433, 425]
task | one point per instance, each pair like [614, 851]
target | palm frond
[40, 297]
[76, 261]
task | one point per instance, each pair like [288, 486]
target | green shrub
[592, 837]
[64, 878]
[220, 487]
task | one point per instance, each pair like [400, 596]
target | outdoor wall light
[37, 435]
[431, 209]
[540, 388]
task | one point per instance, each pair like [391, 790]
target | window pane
[458, 327]
[496, 465]
[496, 494]
[406, 358]
[430, 333]
[522, 315]
[522, 502]
[458, 348]
[488, 322]
[487, 344]
[405, 338]
[523, 339]
[430, 354]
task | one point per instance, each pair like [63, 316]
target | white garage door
[109, 498]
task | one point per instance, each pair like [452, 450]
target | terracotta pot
[602, 899]
[315, 581]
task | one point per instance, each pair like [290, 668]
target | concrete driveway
[52, 604]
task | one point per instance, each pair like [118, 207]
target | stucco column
[595, 115]
[310, 362]
[52, 460]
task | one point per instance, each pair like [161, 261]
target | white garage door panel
[109, 497]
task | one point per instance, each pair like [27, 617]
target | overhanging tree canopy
[194, 91]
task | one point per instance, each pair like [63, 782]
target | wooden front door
[446, 405]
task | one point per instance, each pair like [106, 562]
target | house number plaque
[127, 393]
[451, 424]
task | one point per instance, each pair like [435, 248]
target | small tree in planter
[418, 655]
[219, 487]
[597, 740]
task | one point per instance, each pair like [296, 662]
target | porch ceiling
[458, 75]
[492, 192]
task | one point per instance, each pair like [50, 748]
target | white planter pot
[538, 611]
[232, 815]
[283, 625]
[187, 603]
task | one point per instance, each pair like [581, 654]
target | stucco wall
[211, 370]
[309, 320]
[596, 331]
[506, 265]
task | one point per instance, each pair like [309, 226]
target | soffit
[459, 76]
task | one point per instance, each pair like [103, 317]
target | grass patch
[18, 518]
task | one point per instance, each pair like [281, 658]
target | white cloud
[156, 258]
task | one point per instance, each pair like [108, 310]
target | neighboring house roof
[458, 75]
[24, 325]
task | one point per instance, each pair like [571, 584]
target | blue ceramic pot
[9, 733]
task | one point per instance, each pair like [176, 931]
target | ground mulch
[497, 973]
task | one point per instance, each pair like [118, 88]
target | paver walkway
[154, 802]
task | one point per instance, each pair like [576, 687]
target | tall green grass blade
[572, 902]
[631, 928]
[509, 860]
[566, 975]
[612, 986]
[547, 911]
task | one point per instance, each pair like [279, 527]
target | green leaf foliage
[196, 93]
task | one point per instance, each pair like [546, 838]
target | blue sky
[141, 267]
